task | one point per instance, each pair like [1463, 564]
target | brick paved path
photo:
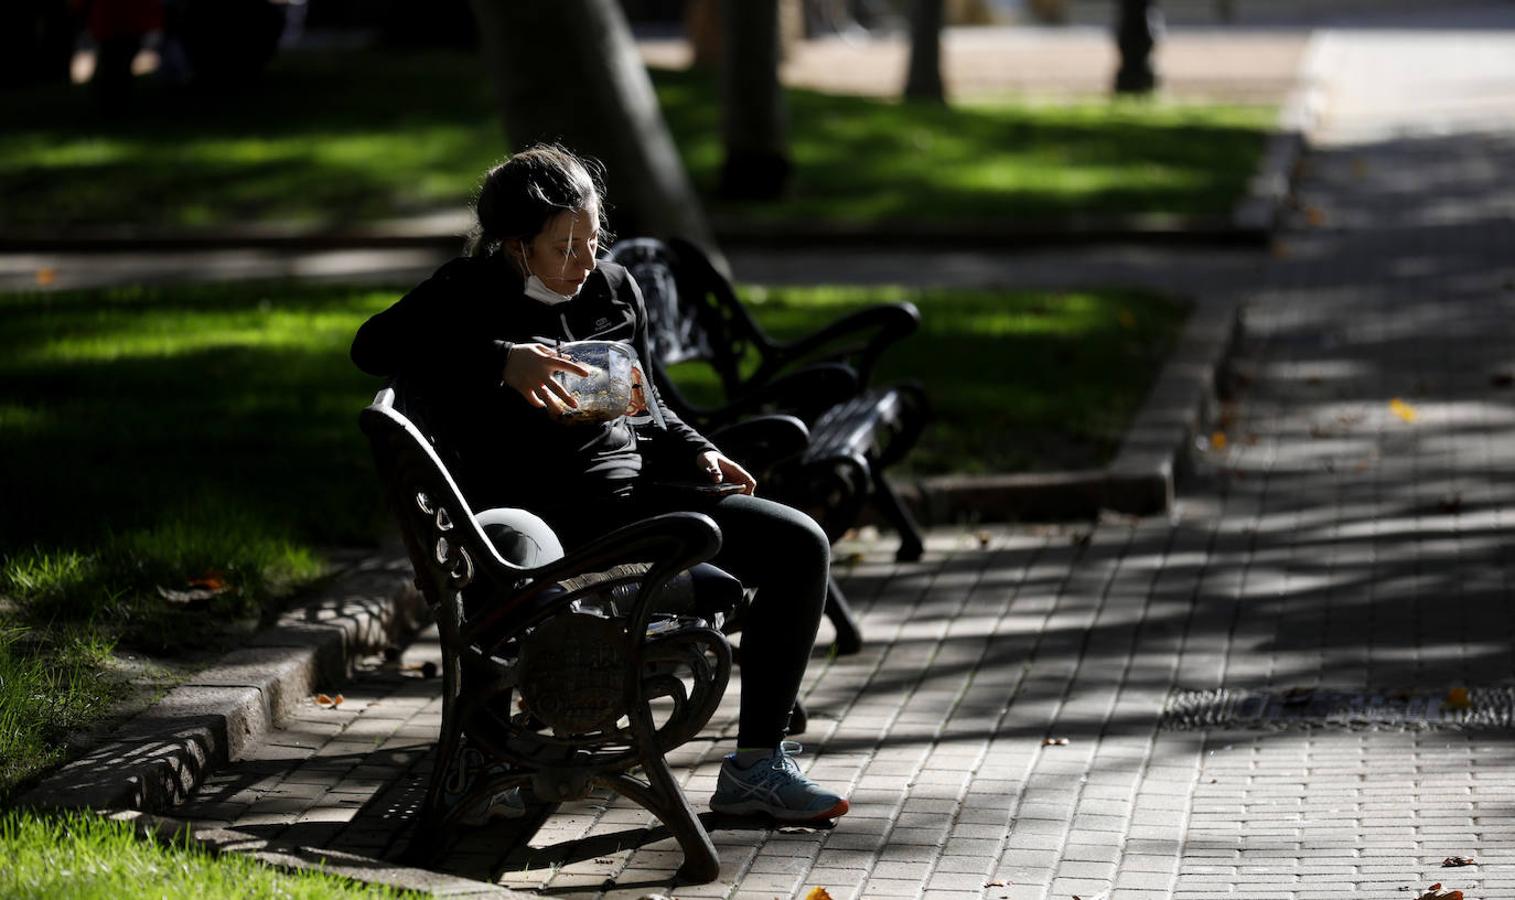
[1329, 544]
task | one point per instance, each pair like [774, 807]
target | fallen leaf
[1054, 742]
[1457, 698]
[337, 699]
[1315, 216]
[817, 893]
[212, 580]
[46, 275]
[1454, 862]
[1280, 250]
[994, 884]
[1434, 893]
[1402, 409]
[983, 539]
[324, 700]
[1217, 440]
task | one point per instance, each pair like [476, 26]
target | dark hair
[518, 196]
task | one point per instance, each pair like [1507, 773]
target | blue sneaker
[776, 787]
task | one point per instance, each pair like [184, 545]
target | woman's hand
[721, 469]
[529, 368]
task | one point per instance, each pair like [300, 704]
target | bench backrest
[447, 547]
[692, 312]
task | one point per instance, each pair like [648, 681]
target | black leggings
[769, 546]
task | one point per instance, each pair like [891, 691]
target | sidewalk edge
[159, 757]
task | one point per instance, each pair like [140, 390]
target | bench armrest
[671, 542]
[761, 442]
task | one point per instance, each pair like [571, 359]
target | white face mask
[536, 289]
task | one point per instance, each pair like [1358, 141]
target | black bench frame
[855, 431]
[608, 683]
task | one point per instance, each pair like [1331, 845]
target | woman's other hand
[638, 402]
[721, 469]
[529, 368]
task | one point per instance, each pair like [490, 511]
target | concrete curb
[1270, 187]
[1140, 479]
[159, 757]
[313, 859]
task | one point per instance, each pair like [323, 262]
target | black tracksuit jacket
[449, 338]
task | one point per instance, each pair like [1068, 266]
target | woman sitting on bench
[479, 338]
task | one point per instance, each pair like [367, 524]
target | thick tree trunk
[924, 80]
[1136, 34]
[568, 71]
[753, 118]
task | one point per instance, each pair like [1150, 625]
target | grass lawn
[337, 138]
[160, 439]
[1018, 380]
[86, 857]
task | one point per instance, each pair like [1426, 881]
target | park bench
[561, 673]
[856, 429]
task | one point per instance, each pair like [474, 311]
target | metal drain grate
[1485, 708]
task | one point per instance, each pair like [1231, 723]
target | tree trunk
[924, 81]
[1136, 34]
[754, 121]
[568, 71]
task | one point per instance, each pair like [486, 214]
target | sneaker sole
[754, 807]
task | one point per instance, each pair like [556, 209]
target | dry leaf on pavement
[1434, 893]
[1457, 698]
[818, 893]
[327, 700]
[1453, 862]
[1402, 409]
[1054, 742]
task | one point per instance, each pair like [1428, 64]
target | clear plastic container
[606, 392]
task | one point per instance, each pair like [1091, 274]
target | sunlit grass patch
[861, 159]
[83, 856]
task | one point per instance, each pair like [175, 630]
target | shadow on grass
[163, 441]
